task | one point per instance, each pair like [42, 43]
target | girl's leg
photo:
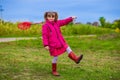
[54, 66]
[55, 59]
[72, 56]
[68, 50]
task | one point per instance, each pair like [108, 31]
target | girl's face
[51, 17]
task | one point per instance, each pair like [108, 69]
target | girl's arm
[45, 35]
[66, 21]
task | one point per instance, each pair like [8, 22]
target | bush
[81, 29]
[11, 30]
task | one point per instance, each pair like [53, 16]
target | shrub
[81, 29]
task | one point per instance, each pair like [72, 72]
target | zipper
[57, 35]
[49, 28]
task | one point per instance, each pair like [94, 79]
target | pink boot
[54, 67]
[75, 58]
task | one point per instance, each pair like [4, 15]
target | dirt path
[27, 38]
[14, 39]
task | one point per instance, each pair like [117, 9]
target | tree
[102, 21]
[89, 23]
[95, 23]
[117, 23]
[108, 25]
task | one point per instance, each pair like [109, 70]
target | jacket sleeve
[45, 35]
[65, 21]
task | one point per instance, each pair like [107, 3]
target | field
[11, 30]
[28, 60]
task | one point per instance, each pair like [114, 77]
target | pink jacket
[53, 38]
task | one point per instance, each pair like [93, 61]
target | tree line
[102, 23]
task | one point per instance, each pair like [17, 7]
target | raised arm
[66, 21]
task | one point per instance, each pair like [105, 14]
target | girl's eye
[51, 16]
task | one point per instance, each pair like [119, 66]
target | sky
[84, 10]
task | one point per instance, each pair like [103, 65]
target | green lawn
[28, 60]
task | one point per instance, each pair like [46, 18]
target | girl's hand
[74, 17]
[47, 47]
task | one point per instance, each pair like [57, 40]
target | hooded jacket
[52, 36]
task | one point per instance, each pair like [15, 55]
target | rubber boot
[54, 68]
[75, 58]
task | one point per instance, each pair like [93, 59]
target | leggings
[68, 50]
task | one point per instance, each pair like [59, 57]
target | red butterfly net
[24, 25]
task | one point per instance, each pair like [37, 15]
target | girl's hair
[51, 13]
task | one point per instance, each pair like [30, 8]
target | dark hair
[51, 13]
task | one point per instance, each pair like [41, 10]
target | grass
[83, 29]
[28, 60]
[11, 30]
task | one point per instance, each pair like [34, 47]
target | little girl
[54, 41]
